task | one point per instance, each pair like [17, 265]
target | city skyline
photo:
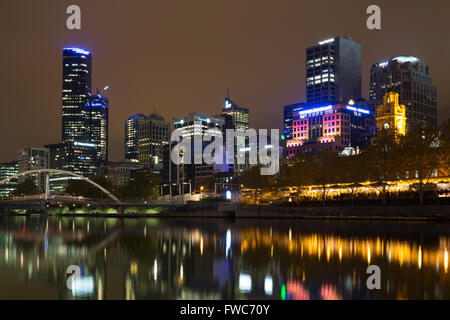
[262, 75]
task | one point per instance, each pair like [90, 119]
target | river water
[153, 258]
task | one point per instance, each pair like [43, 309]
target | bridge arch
[109, 194]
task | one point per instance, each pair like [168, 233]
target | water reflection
[218, 259]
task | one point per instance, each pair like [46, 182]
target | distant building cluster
[334, 117]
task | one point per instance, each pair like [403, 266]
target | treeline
[143, 186]
[421, 154]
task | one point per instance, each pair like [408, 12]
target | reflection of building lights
[420, 257]
[133, 268]
[201, 246]
[155, 270]
[228, 242]
[268, 285]
[368, 254]
[82, 286]
[181, 273]
[446, 261]
[340, 254]
[283, 292]
[245, 283]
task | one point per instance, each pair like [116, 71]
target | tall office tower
[153, 136]
[76, 87]
[8, 169]
[132, 137]
[333, 71]
[236, 118]
[33, 159]
[408, 76]
[200, 174]
[97, 124]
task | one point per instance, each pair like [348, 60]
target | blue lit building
[290, 113]
[335, 128]
[84, 144]
[97, 122]
[76, 88]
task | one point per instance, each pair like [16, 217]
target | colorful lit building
[391, 114]
[333, 127]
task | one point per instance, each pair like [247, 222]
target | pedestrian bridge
[47, 172]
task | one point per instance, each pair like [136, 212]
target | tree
[445, 147]
[142, 186]
[353, 170]
[85, 189]
[296, 174]
[421, 150]
[323, 170]
[26, 188]
[253, 179]
[384, 159]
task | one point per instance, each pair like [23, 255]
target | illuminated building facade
[76, 87]
[290, 113]
[332, 127]
[193, 126]
[8, 169]
[391, 114]
[236, 118]
[120, 173]
[84, 118]
[33, 159]
[410, 78]
[132, 137]
[97, 123]
[153, 136]
[333, 71]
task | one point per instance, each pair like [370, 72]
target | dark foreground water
[220, 259]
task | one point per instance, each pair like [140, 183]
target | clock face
[386, 125]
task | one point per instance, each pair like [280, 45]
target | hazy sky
[178, 56]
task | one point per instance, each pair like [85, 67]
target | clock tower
[391, 114]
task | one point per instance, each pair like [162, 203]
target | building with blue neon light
[332, 127]
[84, 116]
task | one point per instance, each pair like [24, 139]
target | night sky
[179, 56]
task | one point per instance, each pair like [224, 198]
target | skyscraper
[33, 159]
[132, 137]
[333, 71]
[76, 87]
[153, 136]
[84, 118]
[97, 123]
[8, 169]
[410, 78]
[236, 118]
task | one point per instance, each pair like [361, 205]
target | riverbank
[235, 211]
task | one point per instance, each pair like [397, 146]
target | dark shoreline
[387, 212]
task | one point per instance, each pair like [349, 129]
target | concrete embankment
[374, 212]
